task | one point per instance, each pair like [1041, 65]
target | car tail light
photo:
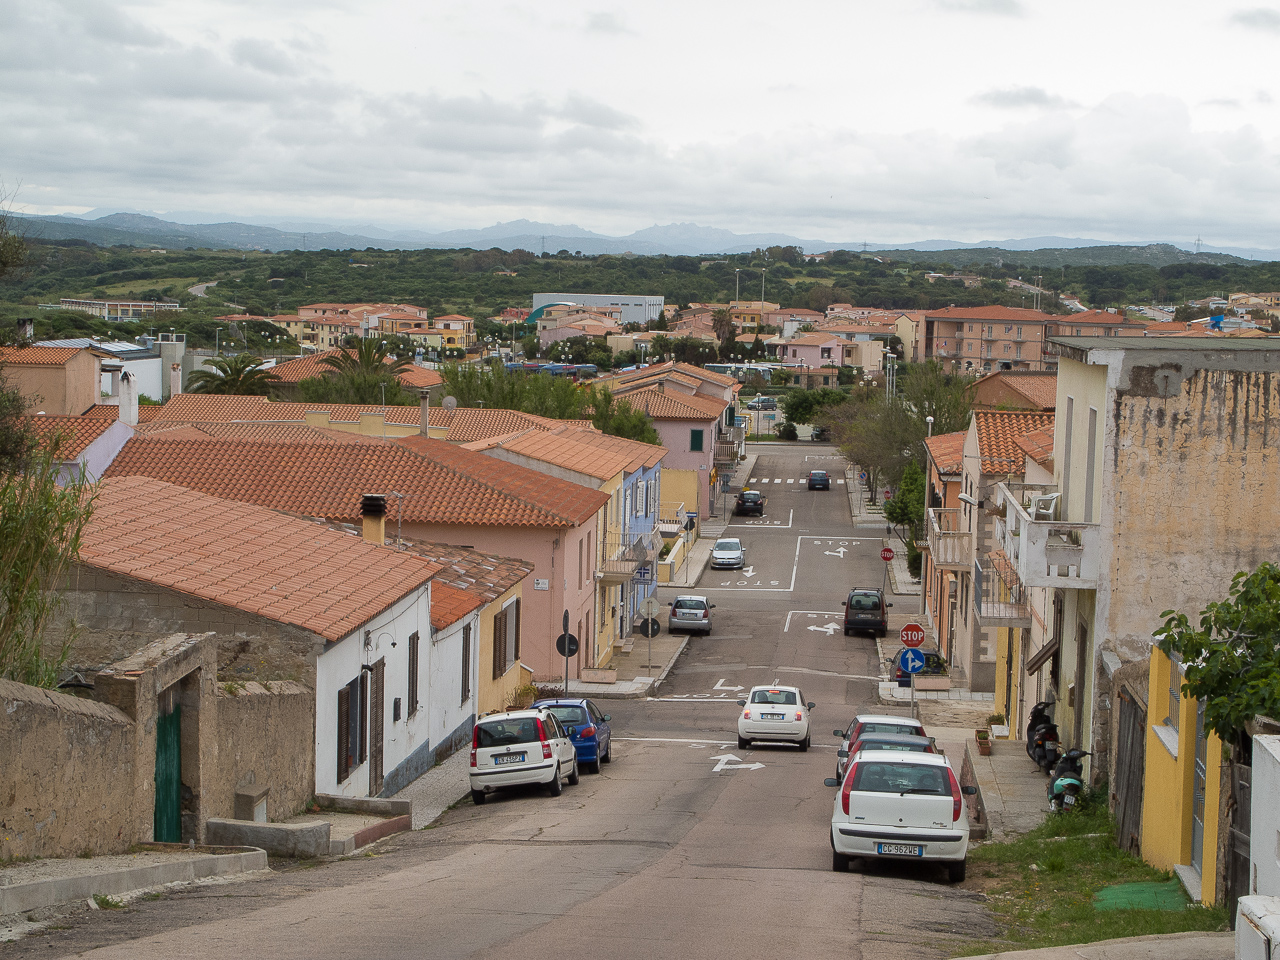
[546, 750]
[542, 735]
[475, 743]
[587, 732]
[856, 731]
[957, 801]
[799, 715]
[848, 785]
[746, 714]
[703, 614]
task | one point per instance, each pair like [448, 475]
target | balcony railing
[999, 598]
[948, 543]
[624, 556]
[1045, 551]
[672, 518]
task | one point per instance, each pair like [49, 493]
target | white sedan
[900, 806]
[774, 713]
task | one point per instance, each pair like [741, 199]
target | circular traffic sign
[911, 661]
[886, 554]
[912, 635]
[649, 608]
[567, 645]
[888, 494]
[650, 627]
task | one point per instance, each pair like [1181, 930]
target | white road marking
[729, 762]
[808, 613]
[749, 571]
[829, 629]
[720, 686]
[791, 479]
[837, 552]
[841, 480]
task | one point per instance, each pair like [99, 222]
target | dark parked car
[762, 403]
[819, 480]
[587, 727]
[749, 502]
[934, 665]
[821, 434]
[866, 610]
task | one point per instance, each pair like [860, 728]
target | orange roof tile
[209, 408]
[326, 478]
[1039, 387]
[76, 433]
[998, 435]
[564, 449]
[274, 566]
[38, 356]
[303, 368]
[449, 604]
[485, 575]
[673, 406]
[1038, 445]
[947, 451]
[110, 411]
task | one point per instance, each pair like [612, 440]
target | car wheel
[839, 862]
[955, 872]
[574, 776]
[594, 766]
[743, 743]
[477, 797]
[608, 753]
[804, 744]
[848, 632]
[555, 786]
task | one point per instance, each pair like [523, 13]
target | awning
[1044, 653]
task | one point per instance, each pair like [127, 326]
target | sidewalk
[1169, 946]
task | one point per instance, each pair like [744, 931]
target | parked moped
[1066, 783]
[1042, 738]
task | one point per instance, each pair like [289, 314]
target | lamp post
[737, 289]
[928, 422]
[217, 337]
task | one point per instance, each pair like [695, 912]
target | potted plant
[999, 729]
[984, 742]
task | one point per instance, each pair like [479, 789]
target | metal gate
[1197, 794]
[1238, 846]
[1131, 752]
[167, 824]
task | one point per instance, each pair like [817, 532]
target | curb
[221, 862]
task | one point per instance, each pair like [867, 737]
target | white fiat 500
[774, 713]
[523, 746]
[900, 806]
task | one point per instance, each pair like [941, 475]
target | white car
[523, 746]
[900, 806]
[728, 554]
[774, 713]
[865, 723]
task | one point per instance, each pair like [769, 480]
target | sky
[968, 120]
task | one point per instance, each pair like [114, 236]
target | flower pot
[984, 742]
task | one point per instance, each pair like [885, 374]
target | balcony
[949, 545]
[1045, 551]
[624, 556]
[999, 597]
[673, 519]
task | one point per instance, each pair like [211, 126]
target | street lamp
[928, 421]
[217, 336]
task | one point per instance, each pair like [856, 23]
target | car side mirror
[844, 603]
[670, 604]
[838, 733]
[968, 791]
[712, 607]
[606, 718]
[842, 754]
[888, 604]
[831, 782]
[742, 703]
[810, 705]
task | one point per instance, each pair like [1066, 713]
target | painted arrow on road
[837, 552]
[748, 571]
[720, 686]
[829, 629]
[729, 762]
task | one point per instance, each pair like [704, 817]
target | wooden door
[167, 820]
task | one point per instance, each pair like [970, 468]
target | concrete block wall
[266, 738]
[68, 773]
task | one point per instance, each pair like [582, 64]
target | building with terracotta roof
[293, 372]
[982, 339]
[1015, 390]
[630, 473]
[789, 321]
[59, 381]
[749, 315]
[285, 597]
[86, 445]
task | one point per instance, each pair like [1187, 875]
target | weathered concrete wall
[117, 615]
[266, 740]
[67, 775]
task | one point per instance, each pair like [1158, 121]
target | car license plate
[1069, 800]
[509, 758]
[899, 849]
[771, 716]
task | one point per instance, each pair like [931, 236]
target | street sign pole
[565, 631]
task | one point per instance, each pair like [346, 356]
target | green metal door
[168, 815]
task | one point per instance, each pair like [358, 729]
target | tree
[1232, 662]
[241, 375]
[929, 391]
[906, 508]
[368, 356]
[801, 406]
[875, 435]
[722, 323]
[616, 417]
[13, 245]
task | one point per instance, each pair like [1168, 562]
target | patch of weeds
[107, 903]
[85, 854]
[1041, 887]
[14, 861]
[152, 896]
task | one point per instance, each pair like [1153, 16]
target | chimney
[26, 329]
[129, 398]
[175, 379]
[373, 508]
[424, 411]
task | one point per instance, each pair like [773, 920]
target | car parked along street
[692, 613]
[520, 747]
[587, 726]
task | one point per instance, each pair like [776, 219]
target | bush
[915, 560]
[788, 431]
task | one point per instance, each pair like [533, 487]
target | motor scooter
[1066, 783]
[1042, 738]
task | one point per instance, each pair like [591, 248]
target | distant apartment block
[634, 309]
[116, 311]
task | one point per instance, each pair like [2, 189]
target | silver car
[728, 554]
[690, 613]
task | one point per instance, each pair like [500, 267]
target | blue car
[587, 727]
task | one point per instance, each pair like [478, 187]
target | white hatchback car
[774, 713]
[900, 806]
[523, 746]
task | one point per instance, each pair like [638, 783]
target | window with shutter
[515, 643]
[376, 715]
[466, 663]
[499, 643]
[412, 698]
[362, 719]
[344, 733]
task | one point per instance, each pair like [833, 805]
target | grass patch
[107, 903]
[1041, 886]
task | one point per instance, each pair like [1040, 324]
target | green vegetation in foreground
[1041, 887]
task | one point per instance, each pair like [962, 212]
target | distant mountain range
[686, 239]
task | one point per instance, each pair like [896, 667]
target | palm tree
[241, 375]
[721, 324]
[369, 357]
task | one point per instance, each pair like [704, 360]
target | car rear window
[818, 474]
[787, 697]
[872, 777]
[864, 601]
[689, 605]
[881, 745]
[570, 716]
[500, 733]
[751, 495]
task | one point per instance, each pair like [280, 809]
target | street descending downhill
[683, 846]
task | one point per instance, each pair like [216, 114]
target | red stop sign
[886, 554]
[912, 635]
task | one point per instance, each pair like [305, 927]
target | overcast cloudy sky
[848, 120]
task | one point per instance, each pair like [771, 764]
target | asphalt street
[683, 847]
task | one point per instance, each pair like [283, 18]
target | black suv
[750, 501]
[866, 610]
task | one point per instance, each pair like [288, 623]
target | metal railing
[624, 555]
[999, 597]
[949, 545]
[1046, 551]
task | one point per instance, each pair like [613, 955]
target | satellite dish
[449, 402]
